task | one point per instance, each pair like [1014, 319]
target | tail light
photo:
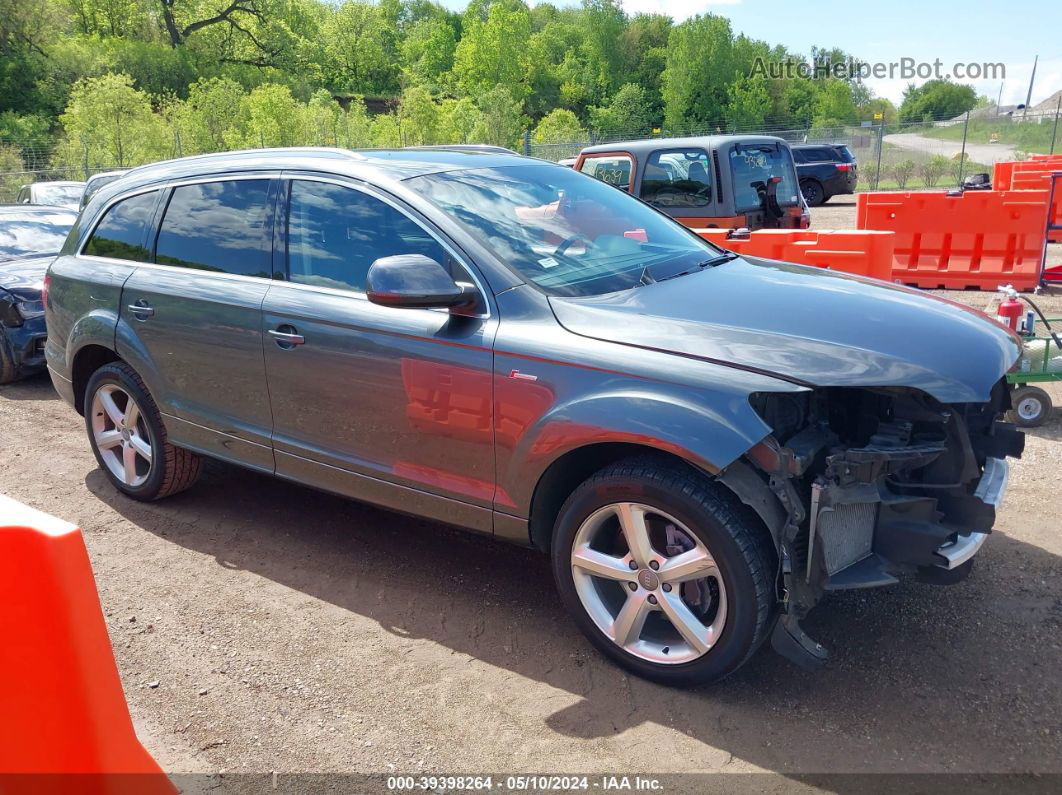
[44, 289]
[844, 168]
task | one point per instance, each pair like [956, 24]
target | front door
[196, 318]
[388, 405]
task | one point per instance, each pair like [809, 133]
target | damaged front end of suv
[872, 484]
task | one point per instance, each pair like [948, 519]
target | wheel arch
[88, 359]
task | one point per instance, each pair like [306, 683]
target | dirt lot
[260, 626]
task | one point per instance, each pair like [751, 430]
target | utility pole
[1028, 97]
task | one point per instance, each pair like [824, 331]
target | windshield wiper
[726, 256]
[646, 278]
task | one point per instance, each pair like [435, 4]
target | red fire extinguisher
[1010, 309]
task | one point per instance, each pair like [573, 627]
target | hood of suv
[24, 277]
[808, 325]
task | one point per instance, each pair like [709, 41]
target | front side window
[335, 234]
[677, 178]
[120, 234]
[218, 226]
[752, 165]
[569, 235]
[613, 169]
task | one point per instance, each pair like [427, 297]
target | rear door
[191, 321]
[388, 405]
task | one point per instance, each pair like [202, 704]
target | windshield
[568, 233]
[752, 165]
[60, 195]
[30, 234]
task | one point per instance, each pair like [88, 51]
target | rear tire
[129, 439]
[692, 598]
[814, 195]
[1031, 406]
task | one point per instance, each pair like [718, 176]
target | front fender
[708, 430]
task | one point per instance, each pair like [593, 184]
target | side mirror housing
[413, 280]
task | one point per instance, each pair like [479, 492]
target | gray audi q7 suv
[705, 444]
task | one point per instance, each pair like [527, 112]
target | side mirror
[741, 233]
[413, 280]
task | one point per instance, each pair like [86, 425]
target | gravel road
[260, 626]
[978, 153]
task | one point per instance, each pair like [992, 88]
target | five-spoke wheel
[120, 435]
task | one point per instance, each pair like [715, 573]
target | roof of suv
[387, 164]
[645, 146]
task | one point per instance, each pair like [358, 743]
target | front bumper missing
[990, 490]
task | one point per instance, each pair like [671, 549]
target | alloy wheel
[120, 435]
[649, 583]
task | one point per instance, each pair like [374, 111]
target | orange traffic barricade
[65, 726]
[1032, 174]
[974, 240]
[866, 253]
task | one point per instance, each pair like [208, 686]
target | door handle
[141, 310]
[286, 337]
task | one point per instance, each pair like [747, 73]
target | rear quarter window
[121, 232]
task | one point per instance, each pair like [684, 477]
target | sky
[885, 31]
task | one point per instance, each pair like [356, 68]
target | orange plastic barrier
[65, 725]
[848, 251]
[1032, 174]
[979, 239]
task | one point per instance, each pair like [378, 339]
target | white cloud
[676, 9]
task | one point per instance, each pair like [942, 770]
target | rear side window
[120, 235]
[613, 169]
[677, 178]
[336, 233]
[218, 226]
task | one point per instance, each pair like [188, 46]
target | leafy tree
[492, 53]
[835, 106]
[269, 116]
[354, 126]
[322, 120]
[428, 51]
[214, 109]
[385, 131]
[418, 117]
[357, 45]
[936, 99]
[458, 120]
[902, 172]
[109, 124]
[501, 120]
[748, 103]
[559, 126]
[698, 73]
[628, 114]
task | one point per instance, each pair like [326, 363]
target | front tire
[814, 195]
[665, 572]
[129, 440]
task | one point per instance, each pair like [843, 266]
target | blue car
[30, 238]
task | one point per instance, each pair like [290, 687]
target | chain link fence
[914, 156]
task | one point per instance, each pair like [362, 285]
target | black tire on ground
[1031, 406]
[173, 469]
[814, 195]
[735, 537]
[8, 369]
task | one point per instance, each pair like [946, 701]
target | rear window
[751, 165]
[845, 154]
[218, 226]
[25, 234]
[121, 233]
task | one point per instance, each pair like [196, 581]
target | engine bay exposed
[875, 483]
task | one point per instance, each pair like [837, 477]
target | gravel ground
[259, 626]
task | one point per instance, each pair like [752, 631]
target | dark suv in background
[824, 170]
[705, 444]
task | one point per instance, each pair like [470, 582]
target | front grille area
[846, 534]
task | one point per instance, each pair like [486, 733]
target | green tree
[748, 104]
[214, 109]
[492, 53]
[269, 116]
[358, 48]
[418, 117]
[559, 126]
[428, 51]
[835, 105]
[699, 70]
[936, 100]
[628, 114]
[458, 120]
[355, 130]
[322, 120]
[109, 124]
[501, 121]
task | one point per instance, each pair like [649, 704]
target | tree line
[125, 81]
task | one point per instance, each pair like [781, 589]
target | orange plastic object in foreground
[65, 726]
